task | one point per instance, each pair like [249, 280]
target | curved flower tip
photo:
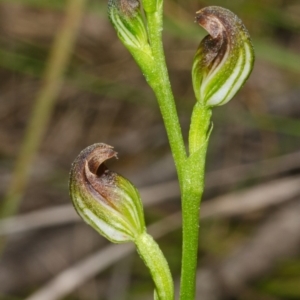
[105, 200]
[224, 59]
[127, 19]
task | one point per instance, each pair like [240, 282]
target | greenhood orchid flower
[104, 199]
[224, 59]
[126, 17]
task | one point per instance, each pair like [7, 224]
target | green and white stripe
[129, 25]
[108, 202]
[224, 60]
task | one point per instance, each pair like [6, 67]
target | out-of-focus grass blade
[285, 125]
[21, 63]
[52, 4]
[99, 6]
[29, 66]
[277, 55]
[287, 288]
[273, 123]
[283, 285]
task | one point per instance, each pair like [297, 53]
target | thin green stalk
[51, 86]
[221, 65]
[160, 83]
[190, 170]
[158, 266]
[190, 235]
[191, 197]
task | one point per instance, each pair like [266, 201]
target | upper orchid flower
[224, 59]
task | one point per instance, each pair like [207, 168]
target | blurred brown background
[250, 234]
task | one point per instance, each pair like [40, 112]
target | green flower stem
[158, 266]
[190, 169]
[221, 65]
[199, 127]
[191, 197]
[158, 79]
